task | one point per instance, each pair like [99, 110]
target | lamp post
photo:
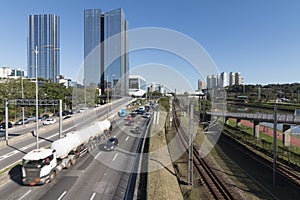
[36, 98]
[107, 94]
[22, 96]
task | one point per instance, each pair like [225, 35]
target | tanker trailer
[42, 165]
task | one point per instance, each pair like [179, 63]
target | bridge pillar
[286, 137]
[238, 121]
[256, 129]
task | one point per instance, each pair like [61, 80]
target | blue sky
[259, 38]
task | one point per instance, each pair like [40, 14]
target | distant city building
[214, 81]
[7, 72]
[235, 78]
[231, 79]
[137, 85]
[67, 82]
[201, 85]
[106, 63]
[223, 79]
[43, 33]
[239, 80]
[209, 81]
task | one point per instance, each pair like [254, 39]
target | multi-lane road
[97, 175]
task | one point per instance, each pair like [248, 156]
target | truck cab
[37, 166]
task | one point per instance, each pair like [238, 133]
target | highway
[14, 152]
[99, 175]
[47, 134]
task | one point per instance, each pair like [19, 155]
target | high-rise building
[209, 81]
[201, 85]
[223, 79]
[239, 80]
[231, 78]
[43, 36]
[105, 47]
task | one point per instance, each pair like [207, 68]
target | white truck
[42, 165]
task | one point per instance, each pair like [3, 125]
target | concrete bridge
[286, 119]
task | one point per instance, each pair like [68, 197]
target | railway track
[216, 186]
[282, 169]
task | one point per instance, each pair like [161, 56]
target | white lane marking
[97, 155]
[93, 196]
[62, 195]
[24, 195]
[115, 157]
[154, 117]
[127, 138]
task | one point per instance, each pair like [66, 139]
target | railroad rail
[216, 186]
[281, 169]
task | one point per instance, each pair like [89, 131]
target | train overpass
[287, 120]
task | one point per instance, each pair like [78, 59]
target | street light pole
[22, 97]
[107, 94]
[36, 98]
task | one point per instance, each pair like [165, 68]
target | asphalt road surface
[97, 175]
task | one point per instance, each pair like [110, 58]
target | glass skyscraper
[105, 47]
[43, 34]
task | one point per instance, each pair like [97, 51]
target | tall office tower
[43, 35]
[231, 78]
[209, 82]
[105, 47]
[201, 85]
[223, 79]
[214, 82]
[239, 80]
[93, 51]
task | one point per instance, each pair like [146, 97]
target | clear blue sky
[259, 38]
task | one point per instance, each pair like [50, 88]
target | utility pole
[22, 97]
[274, 142]
[36, 98]
[190, 168]
[6, 121]
[60, 118]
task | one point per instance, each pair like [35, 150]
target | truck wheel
[68, 165]
[73, 161]
[52, 176]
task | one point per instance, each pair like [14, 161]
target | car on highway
[111, 144]
[45, 116]
[146, 115]
[2, 125]
[31, 118]
[133, 113]
[20, 122]
[49, 121]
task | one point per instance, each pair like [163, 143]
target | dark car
[111, 144]
[2, 125]
[45, 116]
[66, 112]
[20, 122]
[133, 114]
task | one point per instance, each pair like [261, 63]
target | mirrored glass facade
[106, 44]
[43, 33]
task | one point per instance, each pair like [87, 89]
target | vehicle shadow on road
[15, 174]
